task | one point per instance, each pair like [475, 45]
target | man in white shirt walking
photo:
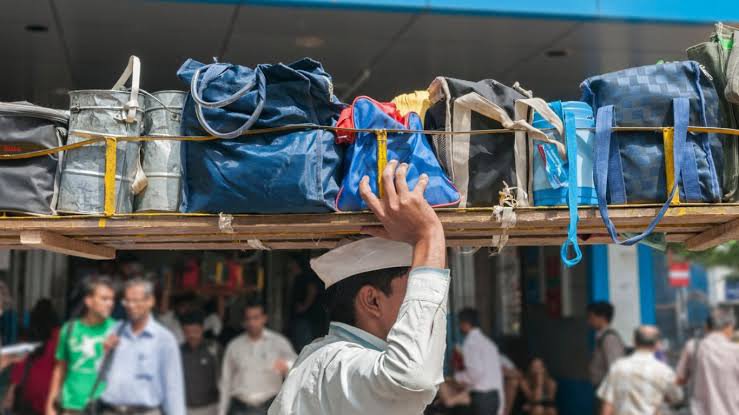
[254, 366]
[713, 368]
[384, 352]
[483, 373]
[638, 384]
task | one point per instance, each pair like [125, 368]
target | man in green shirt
[80, 351]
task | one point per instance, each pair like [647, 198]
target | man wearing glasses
[145, 376]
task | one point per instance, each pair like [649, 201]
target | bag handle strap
[603, 130]
[573, 190]
[212, 71]
[104, 366]
[133, 72]
[546, 112]
[484, 106]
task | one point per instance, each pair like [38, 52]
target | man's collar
[147, 331]
[718, 334]
[356, 335]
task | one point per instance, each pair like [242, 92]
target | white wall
[623, 286]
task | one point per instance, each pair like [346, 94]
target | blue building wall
[636, 10]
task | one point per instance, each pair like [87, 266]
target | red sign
[679, 274]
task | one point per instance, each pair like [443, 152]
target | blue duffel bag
[630, 166]
[411, 148]
[296, 171]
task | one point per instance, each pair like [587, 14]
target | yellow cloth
[417, 102]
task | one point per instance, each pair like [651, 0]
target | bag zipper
[34, 111]
[705, 72]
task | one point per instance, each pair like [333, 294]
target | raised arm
[413, 360]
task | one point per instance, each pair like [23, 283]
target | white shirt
[716, 377]
[351, 372]
[482, 368]
[506, 362]
[638, 384]
[248, 369]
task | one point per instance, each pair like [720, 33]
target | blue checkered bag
[630, 166]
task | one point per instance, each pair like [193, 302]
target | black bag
[484, 166]
[30, 185]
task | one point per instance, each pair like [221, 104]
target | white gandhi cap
[362, 256]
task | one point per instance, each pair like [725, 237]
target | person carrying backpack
[609, 346]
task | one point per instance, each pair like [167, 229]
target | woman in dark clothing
[539, 389]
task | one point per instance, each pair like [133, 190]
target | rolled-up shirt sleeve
[673, 391]
[413, 360]
[606, 391]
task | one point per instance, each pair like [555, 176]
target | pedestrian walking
[80, 351]
[712, 366]
[640, 383]
[608, 344]
[145, 375]
[254, 366]
[483, 373]
[201, 364]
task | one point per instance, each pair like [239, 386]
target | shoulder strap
[609, 332]
[105, 366]
[68, 342]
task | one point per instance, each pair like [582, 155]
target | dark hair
[192, 318]
[601, 309]
[709, 323]
[254, 302]
[42, 322]
[470, 316]
[341, 296]
[92, 284]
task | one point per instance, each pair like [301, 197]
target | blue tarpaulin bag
[361, 157]
[630, 166]
[296, 171]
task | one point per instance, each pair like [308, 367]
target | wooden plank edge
[53, 242]
[331, 243]
[714, 236]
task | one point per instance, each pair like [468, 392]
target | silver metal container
[116, 112]
[162, 162]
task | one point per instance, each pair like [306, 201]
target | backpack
[611, 332]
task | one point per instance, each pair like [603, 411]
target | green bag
[717, 58]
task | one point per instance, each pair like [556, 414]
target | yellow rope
[381, 134]
[668, 135]
[93, 138]
[381, 159]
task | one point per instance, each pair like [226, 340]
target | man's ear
[368, 301]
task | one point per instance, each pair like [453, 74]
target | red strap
[346, 120]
